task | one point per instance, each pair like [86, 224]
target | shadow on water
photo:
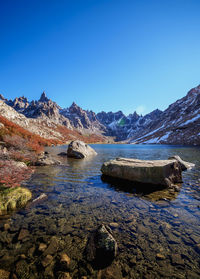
[151, 192]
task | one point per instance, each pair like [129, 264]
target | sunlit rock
[157, 172]
[79, 150]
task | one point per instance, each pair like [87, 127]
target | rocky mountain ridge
[178, 124]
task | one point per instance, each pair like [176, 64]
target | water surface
[158, 233]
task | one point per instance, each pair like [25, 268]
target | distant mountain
[178, 124]
[82, 120]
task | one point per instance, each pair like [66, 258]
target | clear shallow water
[158, 234]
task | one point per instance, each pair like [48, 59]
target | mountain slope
[45, 127]
[178, 124]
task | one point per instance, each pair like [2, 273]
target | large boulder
[157, 172]
[79, 150]
[184, 165]
[101, 247]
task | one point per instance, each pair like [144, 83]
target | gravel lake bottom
[158, 233]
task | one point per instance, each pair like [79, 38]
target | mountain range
[178, 124]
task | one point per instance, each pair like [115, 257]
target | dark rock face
[82, 119]
[101, 248]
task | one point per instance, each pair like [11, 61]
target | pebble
[23, 257]
[6, 227]
[133, 261]
[114, 225]
[197, 247]
[175, 215]
[42, 247]
[23, 234]
[64, 260]
[47, 260]
[176, 259]
[22, 269]
[53, 246]
[4, 274]
[160, 256]
[64, 275]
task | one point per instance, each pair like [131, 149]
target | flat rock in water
[79, 150]
[156, 172]
[47, 160]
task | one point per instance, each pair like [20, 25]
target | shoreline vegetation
[20, 151]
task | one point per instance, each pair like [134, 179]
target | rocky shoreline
[53, 242]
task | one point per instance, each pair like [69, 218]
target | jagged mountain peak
[74, 108]
[134, 115]
[43, 97]
[2, 98]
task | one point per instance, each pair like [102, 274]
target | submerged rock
[64, 261]
[79, 150]
[157, 172]
[13, 198]
[41, 197]
[184, 165]
[101, 248]
[22, 269]
[64, 275]
[23, 234]
[4, 274]
[46, 160]
[62, 154]
[47, 260]
[53, 246]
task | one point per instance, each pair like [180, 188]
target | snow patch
[190, 120]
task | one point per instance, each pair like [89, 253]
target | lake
[158, 233]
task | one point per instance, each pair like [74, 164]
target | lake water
[158, 234]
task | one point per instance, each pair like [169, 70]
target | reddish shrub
[11, 175]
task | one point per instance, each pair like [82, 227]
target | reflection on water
[158, 232]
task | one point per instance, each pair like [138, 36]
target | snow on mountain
[178, 124]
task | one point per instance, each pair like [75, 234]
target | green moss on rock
[13, 198]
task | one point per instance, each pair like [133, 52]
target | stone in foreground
[101, 248]
[157, 172]
[79, 150]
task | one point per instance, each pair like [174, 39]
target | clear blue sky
[103, 54]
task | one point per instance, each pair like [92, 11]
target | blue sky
[103, 54]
